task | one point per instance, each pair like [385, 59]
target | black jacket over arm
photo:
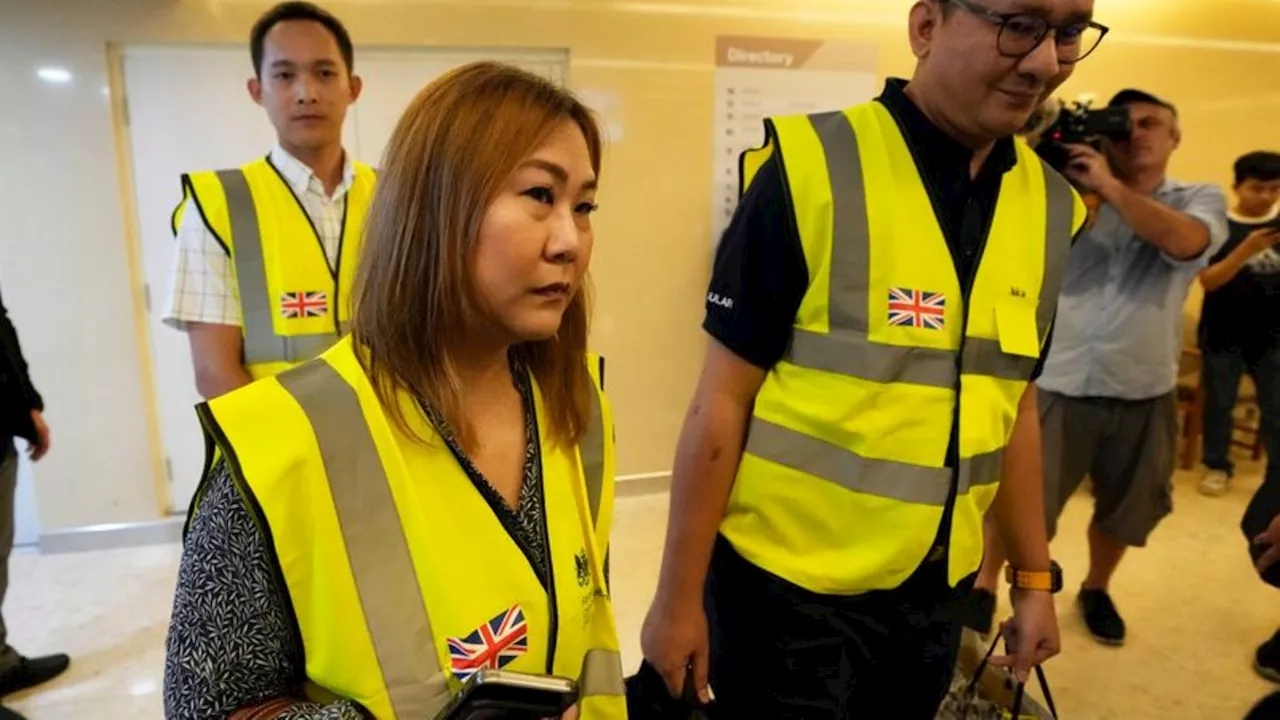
[18, 396]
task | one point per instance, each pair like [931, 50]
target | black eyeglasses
[1021, 33]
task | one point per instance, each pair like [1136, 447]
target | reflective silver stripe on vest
[261, 344]
[377, 549]
[602, 674]
[979, 470]
[882, 478]
[984, 357]
[592, 451]
[855, 355]
[850, 230]
[1059, 217]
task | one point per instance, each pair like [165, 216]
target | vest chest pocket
[1016, 327]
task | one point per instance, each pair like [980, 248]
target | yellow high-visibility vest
[400, 575]
[843, 481]
[293, 304]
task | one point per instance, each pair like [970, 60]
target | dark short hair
[1258, 165]
[1129, 96]
[286, 11]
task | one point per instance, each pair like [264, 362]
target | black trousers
[781, 652]
[1268, 708]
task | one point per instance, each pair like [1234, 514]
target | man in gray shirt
[1108, 407]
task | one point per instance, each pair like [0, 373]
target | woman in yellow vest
[433, 495]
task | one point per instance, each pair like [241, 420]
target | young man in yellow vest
[267, 252]
[883, 299]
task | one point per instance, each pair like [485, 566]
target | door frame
[137, 275]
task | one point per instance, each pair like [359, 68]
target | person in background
[434, 493]
[21, 416]
[828, 494]
[1267, 708]
[1240, 320]
[266, 252]
[1266, 659]
[1107, 396]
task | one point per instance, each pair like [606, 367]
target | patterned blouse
[231, 642]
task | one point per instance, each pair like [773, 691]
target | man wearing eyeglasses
[1107, 395]
[879, 306]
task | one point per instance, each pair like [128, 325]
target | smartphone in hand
[503, 695]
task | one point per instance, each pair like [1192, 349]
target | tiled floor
[1194, 607]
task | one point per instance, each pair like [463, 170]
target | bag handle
[1017, 695]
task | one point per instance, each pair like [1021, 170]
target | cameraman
[1107, 395]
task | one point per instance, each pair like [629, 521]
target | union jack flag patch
[917, 308]
[304, 304]
[494, 645]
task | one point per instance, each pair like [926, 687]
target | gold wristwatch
[1044, 580]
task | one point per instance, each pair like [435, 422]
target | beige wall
[65, 256]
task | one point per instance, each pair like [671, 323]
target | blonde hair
[452, 151]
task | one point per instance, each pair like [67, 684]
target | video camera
[1056, 125]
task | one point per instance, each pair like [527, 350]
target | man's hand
[1180, 235]
[1225, 270]
[1271, 537]
[40, 447]
[1032, 634]
[674, 637]
[1262, 239]
[570, 714]
[1090, 168]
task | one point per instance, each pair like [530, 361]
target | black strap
[1017, 695]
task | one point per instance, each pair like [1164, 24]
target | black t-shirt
[1243, 315]
[760, 275]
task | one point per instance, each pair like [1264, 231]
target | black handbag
[1263, 508]
[1268, 708]
[648, 698]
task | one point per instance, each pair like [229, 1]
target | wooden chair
[1246, 432]
[1190, 407]
[1248, 424]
